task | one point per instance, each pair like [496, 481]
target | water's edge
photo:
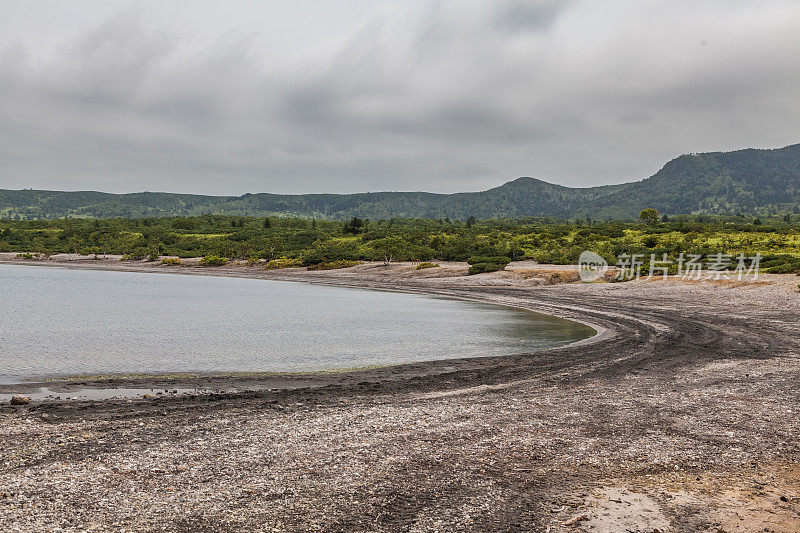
[105, 386]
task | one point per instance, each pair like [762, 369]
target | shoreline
[231, 382]
[683, 418]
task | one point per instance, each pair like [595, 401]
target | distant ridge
[751, 181]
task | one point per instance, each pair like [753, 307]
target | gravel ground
[681, 416]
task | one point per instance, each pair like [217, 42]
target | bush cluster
[289, 241]
[213, 260]
[479, 265]
[333, 265]
[283, 262]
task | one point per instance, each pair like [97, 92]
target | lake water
[59, 321]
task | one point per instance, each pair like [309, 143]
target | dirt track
[681, 417]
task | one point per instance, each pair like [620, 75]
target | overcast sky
[236, 96]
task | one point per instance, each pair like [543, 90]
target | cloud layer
[448, 96]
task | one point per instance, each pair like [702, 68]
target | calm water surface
[59, 321]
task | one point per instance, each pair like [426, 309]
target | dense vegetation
[754, 182]
[751, 182]
[487, 245]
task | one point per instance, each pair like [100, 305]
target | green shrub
[480, 268]
[480, 264]
[283, 262]
[342, 263]
[137, 254]
[558, 255]
[500, 259]
[170, 261]
[780, 264]
[213, 260]
[787, 268]
[332, 250]
[426, 264]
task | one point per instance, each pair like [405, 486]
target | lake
[62, 321]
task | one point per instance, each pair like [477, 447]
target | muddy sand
[683, 415]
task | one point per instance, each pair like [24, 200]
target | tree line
[487, 243]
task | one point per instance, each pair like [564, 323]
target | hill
[764, 182]
[755, 182]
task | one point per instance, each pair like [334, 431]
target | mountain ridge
[752, 181]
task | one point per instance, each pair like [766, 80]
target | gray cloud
[456, 95]
[526, 16]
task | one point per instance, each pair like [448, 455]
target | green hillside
[753, 182]
[764, 182]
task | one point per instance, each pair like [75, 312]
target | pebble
[19, 399]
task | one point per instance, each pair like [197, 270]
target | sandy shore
[682, 416]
